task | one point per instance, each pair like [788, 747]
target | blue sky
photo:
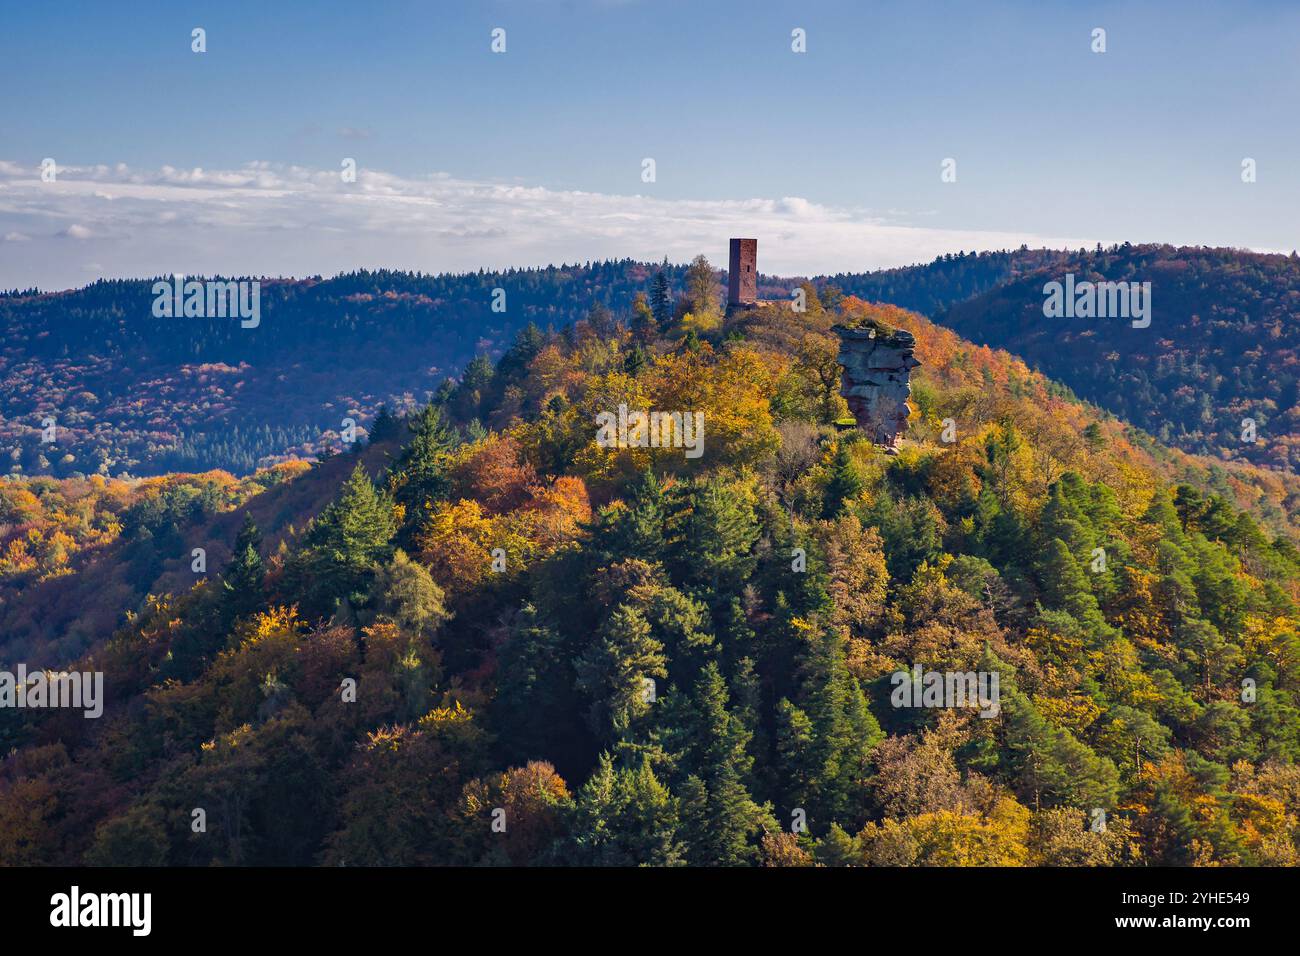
[228, 160]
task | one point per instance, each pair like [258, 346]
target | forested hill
[139, 395]
[932, 288]
[1223, 345]
[135, 394]
[632, 655]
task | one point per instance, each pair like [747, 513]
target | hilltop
[136, 395]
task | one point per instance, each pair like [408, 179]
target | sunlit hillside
[640, 656]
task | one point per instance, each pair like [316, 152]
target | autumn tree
[702, 288]
[405, 593]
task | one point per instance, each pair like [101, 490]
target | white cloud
[268, 219]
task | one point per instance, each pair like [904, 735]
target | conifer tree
[625, 817]
[636, 360]
[845, 482]
[420, 474]
[385, 426]
[475, 393]
[242, 581]
[636, 531]
[1052, 767]
[514, 364]
[344, 544]
[714, 546]
[825, 743]
[661, 302]
[537, 711]
[722, 824]
[614, 670]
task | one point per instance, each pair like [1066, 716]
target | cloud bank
[269, 219]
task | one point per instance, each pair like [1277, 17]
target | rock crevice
[877, 362]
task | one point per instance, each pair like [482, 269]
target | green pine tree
[845, 482]
[419, 476]
[722, 824]
[344, 545]
[614, 670]
[385, 426]
[661, 300]
[242, 581]
[625, 817]
[824, 745]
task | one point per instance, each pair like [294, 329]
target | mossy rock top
[870, 329]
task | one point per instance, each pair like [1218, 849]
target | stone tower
[742, 274]
[877, 363]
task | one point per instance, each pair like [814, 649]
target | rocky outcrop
[877, 362]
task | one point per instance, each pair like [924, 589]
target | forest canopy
[483, 639]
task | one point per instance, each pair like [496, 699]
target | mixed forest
[132, 395]
[476, 637]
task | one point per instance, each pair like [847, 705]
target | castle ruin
[877, 360]
[742, 274]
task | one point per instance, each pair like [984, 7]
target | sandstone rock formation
[877, 362]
